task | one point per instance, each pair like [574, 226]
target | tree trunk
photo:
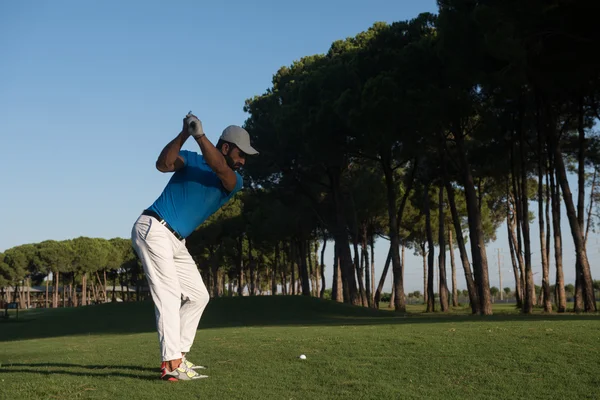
[360, 268]
[377, 296]
[55, 296]
[322, 294]
[517, 227]
[53, 284]
[542, 232]
[337, 294]
[84, 289]
[369, 294]
[214, 267]
[17, 295]
[282, 272]
[512, 247]
[29, 292]
[399, 304]
[121, 281]
[453, 266]
[349, 288]
[471, 286]
[346, 270]
[73, 298]
[443, 285]
[317, 268]
[222, 284]
[388, 261]
[529, 284]
[114, 290]
[239, 266]
[292, 271]
[46, 302]
[430, 260]
[304, 268]
[589, 212]
[335, 288]
[338, 264]
[561, 296]
[105, 293]
[311, 281]
[283, 269]
[209, 278]
[480, 265]
[73, 293]
[274, 270]
[17, 298]
[102, 287]
[576, 229]
[373, 270]
[365, 257]
[403, 264]
[95, 291]
[127, 282]
[221, 287]
[252, 268]
[579, 296]
[23, 296]
[425, 275]
[230, 284]
[578, 305]
[548, 221]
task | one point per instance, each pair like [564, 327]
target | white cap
[240, 137]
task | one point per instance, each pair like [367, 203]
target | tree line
[430, 133]
[494, 100]
[80, 269]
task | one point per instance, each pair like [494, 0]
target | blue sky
[91, 91]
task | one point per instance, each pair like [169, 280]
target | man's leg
[154, 245]
[194, 297]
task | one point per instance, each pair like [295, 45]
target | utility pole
[500, 277]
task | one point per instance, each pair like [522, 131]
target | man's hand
[193, 126]
[213, 156]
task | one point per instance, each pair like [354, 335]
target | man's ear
[225, 149]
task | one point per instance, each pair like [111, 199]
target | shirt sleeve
[186, 155]
[239, 184]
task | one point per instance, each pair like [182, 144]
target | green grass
[251, 347]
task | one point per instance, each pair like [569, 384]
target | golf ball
[302, 357]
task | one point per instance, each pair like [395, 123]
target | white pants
[175, 283]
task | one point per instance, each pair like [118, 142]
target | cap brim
[251, 151]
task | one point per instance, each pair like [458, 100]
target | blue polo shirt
[193, 194]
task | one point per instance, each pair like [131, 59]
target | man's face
[234, 156]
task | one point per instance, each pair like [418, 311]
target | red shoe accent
[163, 373]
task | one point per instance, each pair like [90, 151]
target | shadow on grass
[109, 374]
[130, 318]
[69, 365]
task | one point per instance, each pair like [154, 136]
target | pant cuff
[172, 357]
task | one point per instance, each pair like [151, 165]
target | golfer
[200, 185]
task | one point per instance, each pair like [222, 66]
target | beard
[233, 165]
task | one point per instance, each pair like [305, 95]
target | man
[200, 185]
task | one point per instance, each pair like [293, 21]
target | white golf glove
[194, 126]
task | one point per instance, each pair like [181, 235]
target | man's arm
[169, 159]
[216, 161]
[213, 157]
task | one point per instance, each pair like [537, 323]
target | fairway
[251, 346]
